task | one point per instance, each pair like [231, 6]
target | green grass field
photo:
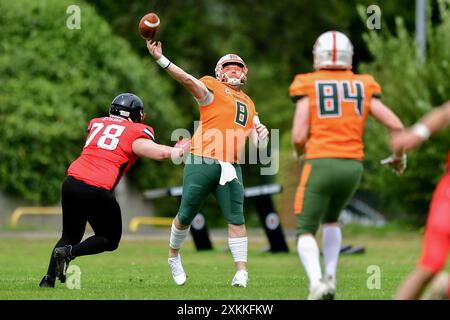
[138, 270]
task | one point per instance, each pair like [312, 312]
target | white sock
[331, 244]
[177, 236]
[308, 252]
[238, 248]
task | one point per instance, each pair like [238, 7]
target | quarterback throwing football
[227, 118]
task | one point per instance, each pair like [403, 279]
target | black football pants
[82, 203]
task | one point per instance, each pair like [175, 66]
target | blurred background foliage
[53, 80]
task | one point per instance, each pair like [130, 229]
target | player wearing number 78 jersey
[332, 105]
[112, 146]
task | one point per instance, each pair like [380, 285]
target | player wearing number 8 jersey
[113, 145]
[227, 118]
[332, 105]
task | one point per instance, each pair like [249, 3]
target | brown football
[149, 26]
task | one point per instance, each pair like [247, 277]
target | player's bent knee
[307, 229]
[67, 239]
[184, 220]
[112, 245]
[306, 225]
[330, 224]
[190, 204]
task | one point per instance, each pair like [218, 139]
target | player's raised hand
[155, 49]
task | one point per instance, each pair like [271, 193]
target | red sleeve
[90, 125]
[145, 132]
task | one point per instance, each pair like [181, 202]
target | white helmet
[333, 50]
[233, 59]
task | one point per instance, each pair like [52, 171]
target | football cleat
[333, 50]
[178, 274]
[47, 282]
[331, 283]
[240, 279]
[323, 290]
[63, 256]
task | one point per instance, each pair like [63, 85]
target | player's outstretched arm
[300, 126]
[413, 137]
[149, 149]
[389, 119]
[385, 116]
[197, 88]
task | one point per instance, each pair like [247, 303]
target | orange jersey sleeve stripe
[299, 196]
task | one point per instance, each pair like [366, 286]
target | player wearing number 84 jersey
[112, 147]
[332, 105]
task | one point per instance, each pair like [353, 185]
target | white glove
[262, 131]
[398, 164]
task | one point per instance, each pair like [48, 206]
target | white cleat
[178, 274]
[331, 282]
[240, 279]
[323, 290]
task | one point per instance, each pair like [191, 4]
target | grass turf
[139, 270]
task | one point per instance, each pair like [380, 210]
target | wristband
[163, 62]
[421, 130]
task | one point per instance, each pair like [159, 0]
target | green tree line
[53, 80]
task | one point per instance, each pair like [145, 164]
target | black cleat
[63, 256]
[47, 282]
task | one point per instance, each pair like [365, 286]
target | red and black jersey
[108, 152]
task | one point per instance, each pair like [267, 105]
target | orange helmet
[231, 59]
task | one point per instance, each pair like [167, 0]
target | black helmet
[129, 106]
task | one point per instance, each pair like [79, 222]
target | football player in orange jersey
[332, 105]
[436, 242]
[227, 118]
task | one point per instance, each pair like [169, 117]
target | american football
[149, 26]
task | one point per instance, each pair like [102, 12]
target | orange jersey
[339, 102]
[224, 124]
